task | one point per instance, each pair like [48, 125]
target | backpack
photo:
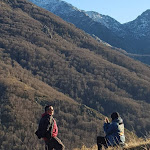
[45, 127]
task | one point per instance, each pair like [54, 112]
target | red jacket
[55, 128]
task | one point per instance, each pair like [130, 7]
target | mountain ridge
[106, 28]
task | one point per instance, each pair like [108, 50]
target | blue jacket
[115, 132]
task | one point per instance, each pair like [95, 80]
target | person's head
[49, 109]
[115, 115]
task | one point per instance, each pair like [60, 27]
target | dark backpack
[45, 127]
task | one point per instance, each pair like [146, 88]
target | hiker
[114, 132]
[48, 130]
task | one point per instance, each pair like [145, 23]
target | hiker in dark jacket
[114, 132]
[48, 124]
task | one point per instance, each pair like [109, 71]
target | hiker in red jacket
[48, 130]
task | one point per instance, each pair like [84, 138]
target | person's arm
[109, 128]
[48, 125]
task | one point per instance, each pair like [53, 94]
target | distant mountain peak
[147, 12]
[55, 6]
[97, 17]
[93, 13]
[140, 27]
[105, 27]
[145, 15]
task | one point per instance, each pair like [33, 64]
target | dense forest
[45, 60]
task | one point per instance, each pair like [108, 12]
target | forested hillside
[45, 60]
[23, 98]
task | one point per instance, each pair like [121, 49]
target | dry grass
[133, 144]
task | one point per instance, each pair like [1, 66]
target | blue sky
[121, 10]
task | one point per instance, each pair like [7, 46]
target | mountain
[139, 31]
[23, 95]
[82, 20]
[107, 21]
[140, 27]
[45, 60]
[136, 31]
[123, 36]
